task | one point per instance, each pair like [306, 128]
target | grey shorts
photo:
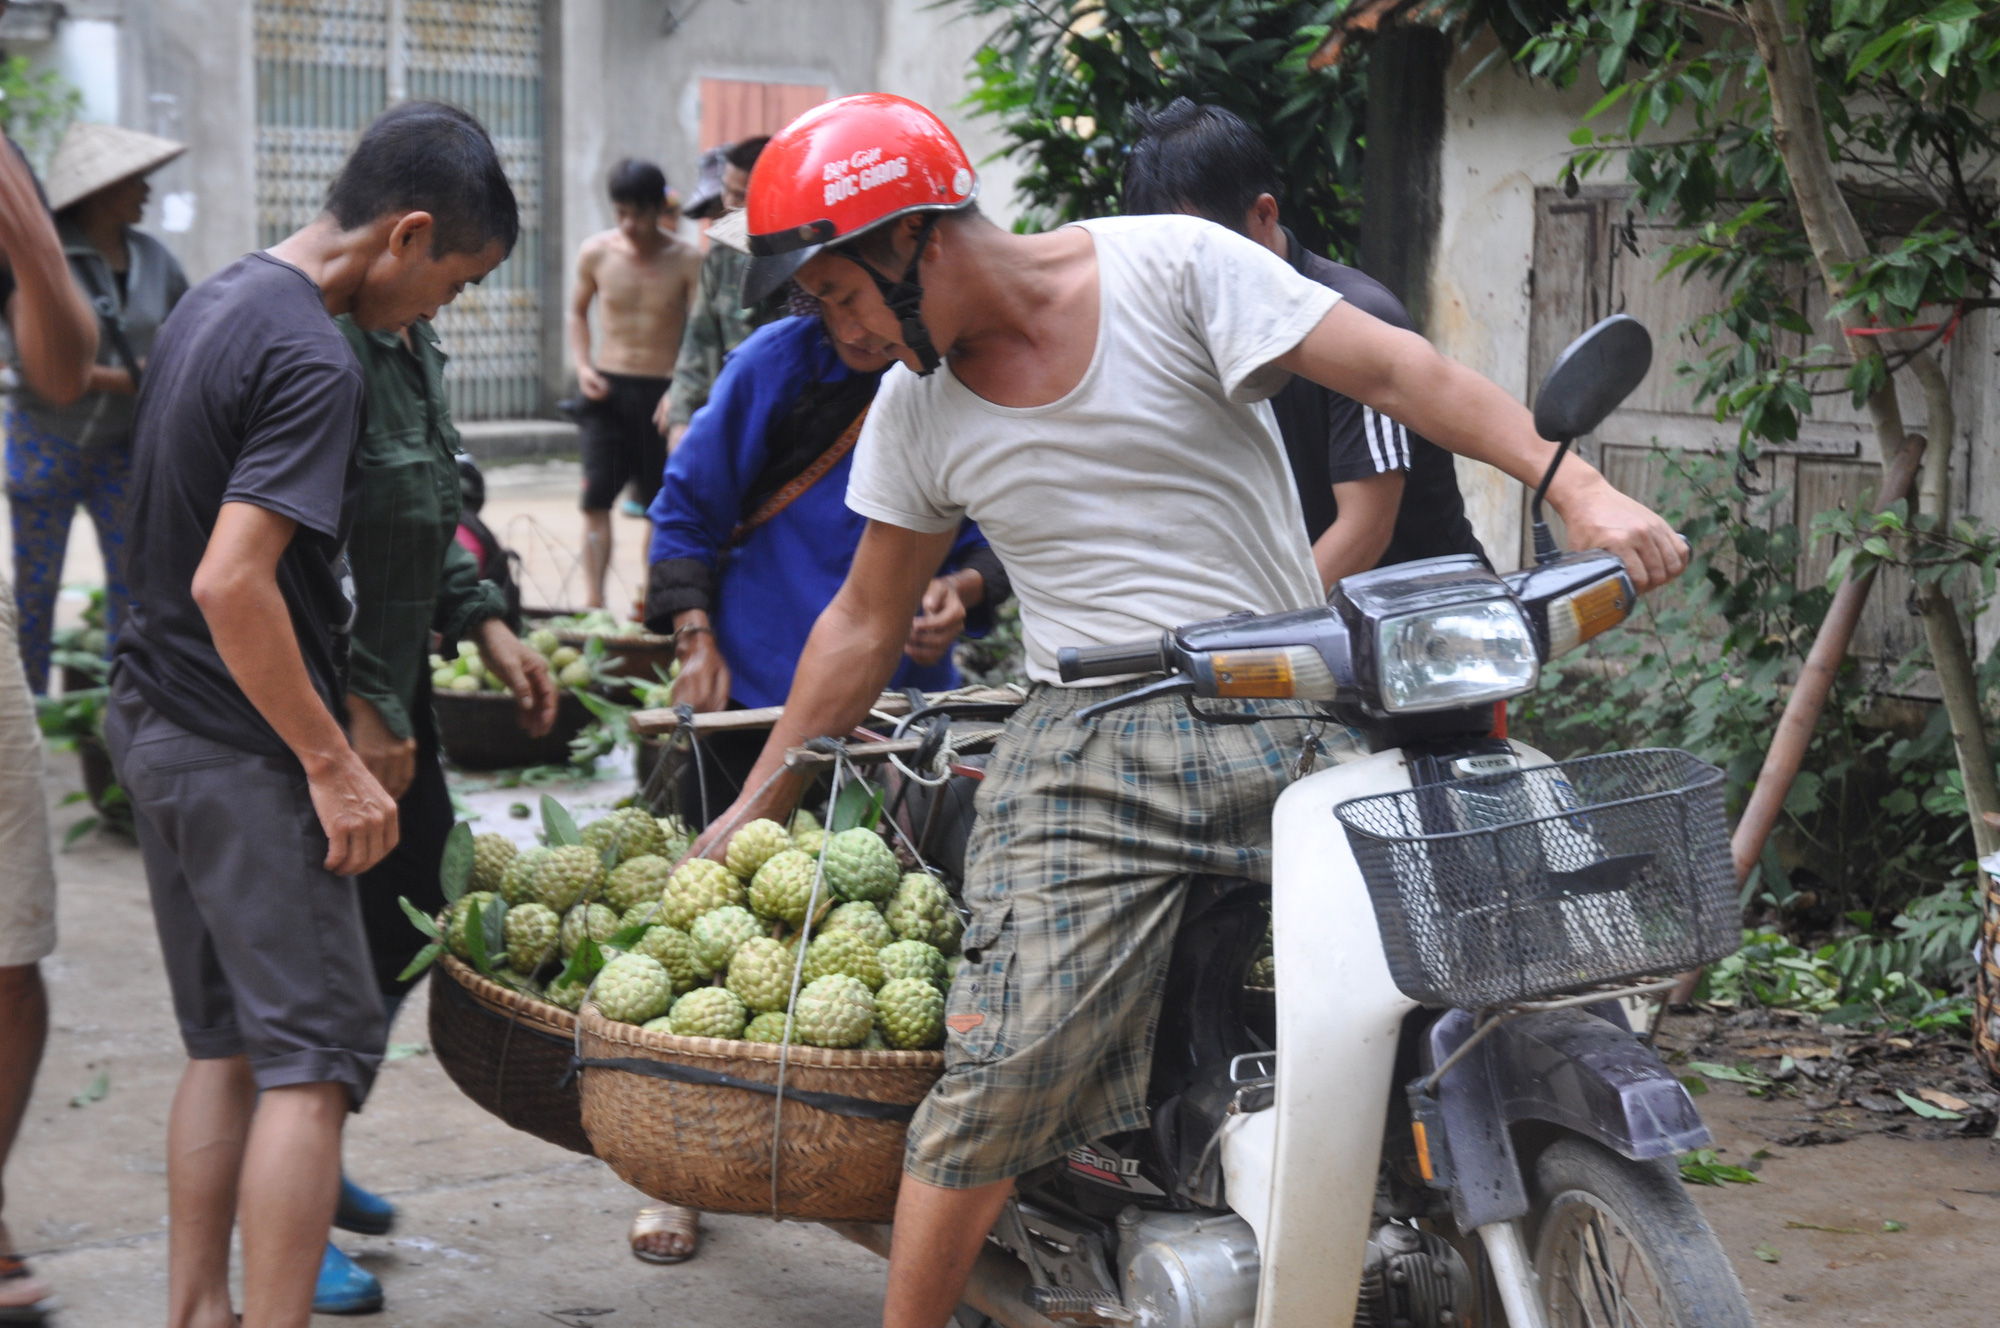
[264, 948]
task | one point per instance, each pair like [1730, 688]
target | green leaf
[859, 804]
[1695, 1084]
[1730, 1074]
[1893, 1225]
[423, 960]
[557, 827]
[94, 1091]
[422, 921]
[1703, 1167]
[455, 870]
[584, 964]
[493, 924]
[476, 937]
[1767, 1252]
[79, 830]
[1926, 1109]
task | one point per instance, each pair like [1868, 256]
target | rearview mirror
[1597, 371]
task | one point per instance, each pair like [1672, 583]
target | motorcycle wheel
[1619, 1243]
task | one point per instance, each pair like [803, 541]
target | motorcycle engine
[1188, 1270]
[1413, 1279]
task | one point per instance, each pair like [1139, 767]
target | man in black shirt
[1373, 492]
[254, 812]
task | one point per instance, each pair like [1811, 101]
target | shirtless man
[643, 278]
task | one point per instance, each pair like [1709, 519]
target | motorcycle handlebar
[1077, 662]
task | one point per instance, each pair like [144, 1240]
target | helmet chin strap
[905, 298]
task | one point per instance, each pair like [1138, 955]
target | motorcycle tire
[1608, 1231]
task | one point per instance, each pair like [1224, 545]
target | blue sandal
[345, 1287]
[363, 1213]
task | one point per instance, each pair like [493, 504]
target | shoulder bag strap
[806, 478]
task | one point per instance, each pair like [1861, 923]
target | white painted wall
[1504, 137]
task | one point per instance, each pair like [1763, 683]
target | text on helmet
[863, 170]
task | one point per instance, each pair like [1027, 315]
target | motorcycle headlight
[1455, 655]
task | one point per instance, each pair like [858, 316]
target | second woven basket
[707, 1144]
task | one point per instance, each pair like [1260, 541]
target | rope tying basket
[689, 1121]
[507, 1052]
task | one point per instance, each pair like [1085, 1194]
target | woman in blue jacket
[752, 535]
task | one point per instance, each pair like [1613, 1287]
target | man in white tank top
[1095, 397]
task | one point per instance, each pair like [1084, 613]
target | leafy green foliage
[1064, 76]
[1703, 1167]
[558, 826]
[36, 107]
[1906, 90]
[455, 867]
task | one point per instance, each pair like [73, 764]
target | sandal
[13, 1269]
[665, 1220]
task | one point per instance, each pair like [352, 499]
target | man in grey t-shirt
[253, 811]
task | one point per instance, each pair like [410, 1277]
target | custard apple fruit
[631, 832]
[860, 866]
[835, 1011]
[568, 995]
[784, 886]
[568, 876]
[873, 1042]
[698, 886]
[576, 673]
[637, 880]
[843, 952]
[531, 936]
[674, 833]
[865, 919]
[717, 935]
[517, 881]
[1263, 973]
[544, 642]
[915, 959]
[674, 949]
[766, 1027]
[922, 911]
[460, 914]
[715, 1012]
[663, 1024]
[753, 844]
[761, 973]
[809, 841]
[910, 1013]
[599, 921]
[632, 989]
[490, 855]
[802, 821]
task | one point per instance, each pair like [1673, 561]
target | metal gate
[325, 68]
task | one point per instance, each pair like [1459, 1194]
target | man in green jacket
[719, 321]
[411, 578]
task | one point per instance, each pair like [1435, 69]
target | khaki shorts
[1087, 838]
[27, 869]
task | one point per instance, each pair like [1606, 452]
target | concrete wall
[1503, 137]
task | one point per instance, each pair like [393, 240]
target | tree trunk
[1837, 243]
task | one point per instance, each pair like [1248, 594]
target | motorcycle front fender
[1567, 1068]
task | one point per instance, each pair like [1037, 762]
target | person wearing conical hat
[62, 457]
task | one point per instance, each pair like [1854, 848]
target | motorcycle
[1437, 1113]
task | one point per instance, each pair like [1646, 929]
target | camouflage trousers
[1086, 839]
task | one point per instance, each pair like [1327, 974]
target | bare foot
[665, 1233]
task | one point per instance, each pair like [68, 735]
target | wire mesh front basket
[1556, 878]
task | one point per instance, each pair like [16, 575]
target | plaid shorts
[1086, 839]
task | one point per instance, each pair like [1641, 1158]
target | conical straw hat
[95, 155]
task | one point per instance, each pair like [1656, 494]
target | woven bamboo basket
[709, 1146]
[508, 1053]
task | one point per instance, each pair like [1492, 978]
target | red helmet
[845, 167]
